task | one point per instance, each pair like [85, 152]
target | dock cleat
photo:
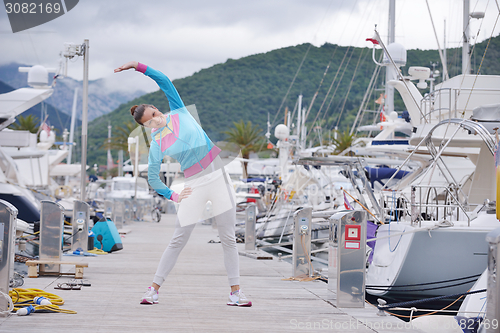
[150, 297]
[237, 298]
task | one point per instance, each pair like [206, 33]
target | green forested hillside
[249, 88]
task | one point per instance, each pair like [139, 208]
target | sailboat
[434, 243]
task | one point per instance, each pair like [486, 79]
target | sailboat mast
[389, 70]
[445, 61]
[299, 122]
[465, 47]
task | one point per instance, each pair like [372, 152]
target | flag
[45, 127]
[381, 99]
[382, 117]
[347, 205]
[373, 40]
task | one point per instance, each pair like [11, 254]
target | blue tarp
[377, 174]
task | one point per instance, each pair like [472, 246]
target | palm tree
[343, 141]
[28, 123]
[119, 140]
[247, 138]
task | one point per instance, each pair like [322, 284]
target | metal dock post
[51, 233]
[8, 216]
[80, 224]
[493, 291]
[118, 213]
[302, 242]
[250, 218]
[347, 258]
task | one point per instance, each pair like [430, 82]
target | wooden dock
[193, 298]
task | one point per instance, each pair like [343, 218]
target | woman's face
[152, 118]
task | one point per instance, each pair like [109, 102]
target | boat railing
[446, 103]
[438, 203]
[426, 203]
[429, 108]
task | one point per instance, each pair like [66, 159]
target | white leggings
[225, 224]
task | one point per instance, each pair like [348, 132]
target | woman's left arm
[154, 165]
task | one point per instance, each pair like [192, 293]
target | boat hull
[432, 263]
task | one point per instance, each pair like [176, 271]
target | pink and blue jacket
[182, 138]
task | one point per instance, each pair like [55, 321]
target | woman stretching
[177, 134]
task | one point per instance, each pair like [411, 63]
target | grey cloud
[183, 37]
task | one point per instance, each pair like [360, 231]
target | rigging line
[477, 36]
[298, 70]
[498, 7]
[364, 102]
[321, 83]
[470, 58]
[300, 66]
[291, 85]
[471, 52]
[58, 117]
[467, 69]
[323, 19]
[328, 66]
[375, 116]
[337, 87]
[467, 26]
[399, 73]
[293, 112]
[330, 88]
[33, 44]
[445, 67]
[370, 84]
[481, 64]
[350, 84]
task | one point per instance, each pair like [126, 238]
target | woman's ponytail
[132, 109]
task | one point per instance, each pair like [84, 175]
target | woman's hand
[186, 192]
[128, 65]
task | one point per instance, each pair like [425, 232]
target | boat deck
[193, 298]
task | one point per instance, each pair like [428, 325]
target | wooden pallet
[33, 267]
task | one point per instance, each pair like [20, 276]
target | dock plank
[193, 298]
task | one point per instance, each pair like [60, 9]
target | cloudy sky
[182, 37]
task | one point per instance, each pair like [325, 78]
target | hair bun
[132, 109]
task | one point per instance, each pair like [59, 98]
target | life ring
[63, 191]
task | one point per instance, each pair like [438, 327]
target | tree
[343, 141]
[247, 138]
[119, 140]
[28, 123]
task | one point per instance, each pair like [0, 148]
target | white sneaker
[150, 297]
[237, 298]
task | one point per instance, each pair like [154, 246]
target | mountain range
[332, 79]
[101, 99]
[253, 87]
